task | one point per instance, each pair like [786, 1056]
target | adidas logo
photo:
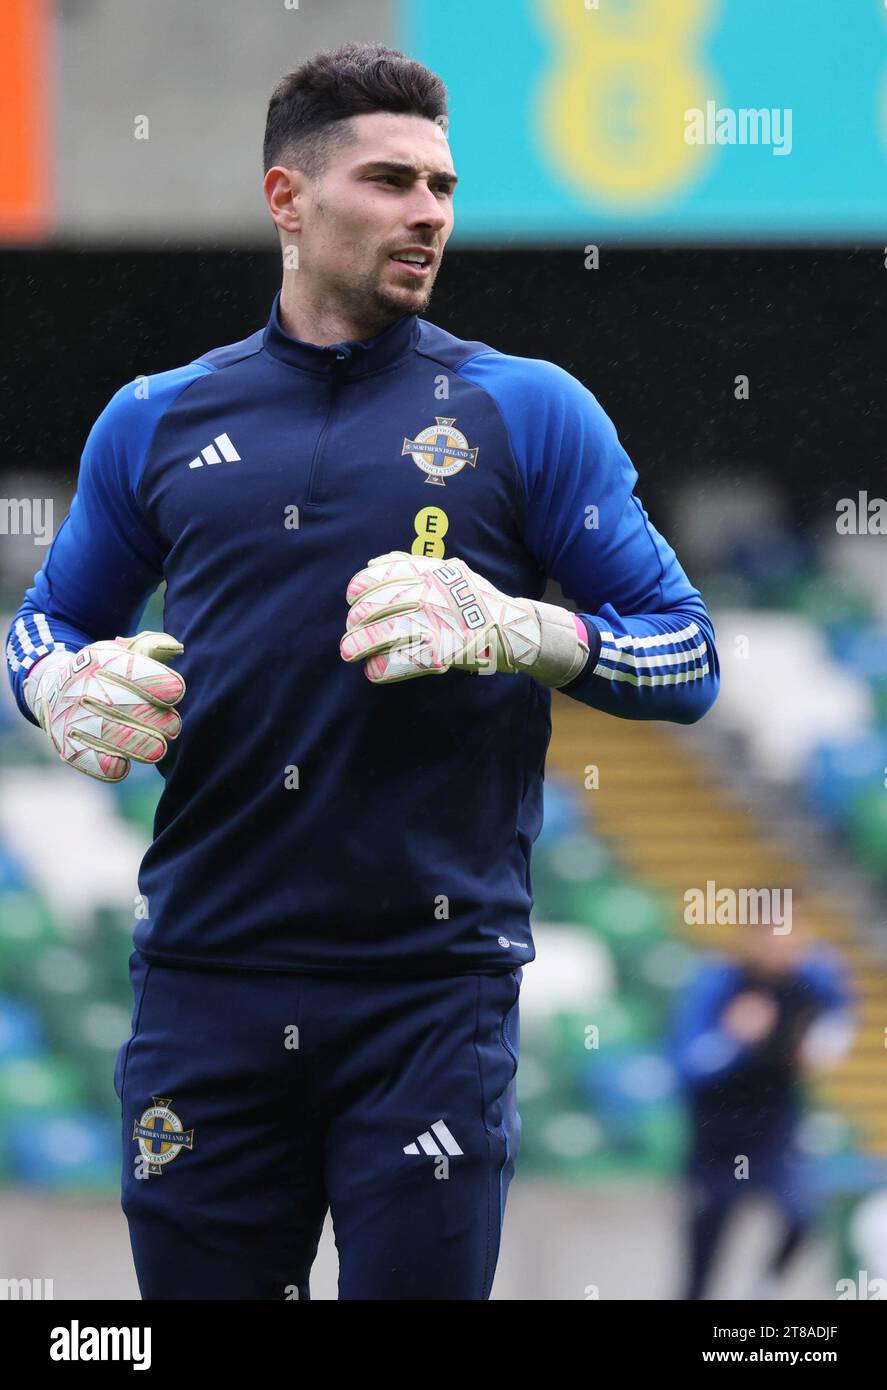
[427, 1145]
[212, 454]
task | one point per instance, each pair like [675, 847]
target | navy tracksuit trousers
[253, 1103]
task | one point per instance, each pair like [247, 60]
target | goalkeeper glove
[413, 616]
[109, 702]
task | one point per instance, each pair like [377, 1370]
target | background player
[747, 1032]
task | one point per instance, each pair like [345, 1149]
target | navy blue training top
[309, 820]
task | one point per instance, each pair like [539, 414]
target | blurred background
[725, 302]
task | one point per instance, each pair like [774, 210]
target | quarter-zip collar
[356, 358]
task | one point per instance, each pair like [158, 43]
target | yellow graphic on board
[611, 106]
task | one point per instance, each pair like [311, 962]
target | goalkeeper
[355, 515]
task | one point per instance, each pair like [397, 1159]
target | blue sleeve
[700, 1049]
[652, 649]
[105, 561]
[828, 980]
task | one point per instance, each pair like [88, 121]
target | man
[747, 1030]
[338, 891]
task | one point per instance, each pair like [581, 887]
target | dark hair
[309, 106]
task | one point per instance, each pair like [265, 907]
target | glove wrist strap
[562, 652]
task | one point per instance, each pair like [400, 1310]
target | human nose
[426, 209]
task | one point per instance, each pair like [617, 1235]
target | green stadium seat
[868, 829]
[628, 917]
[91, 1036]
[825, 599]
[58, 979]
[111, 946]
[32, 1085]
[26, 927]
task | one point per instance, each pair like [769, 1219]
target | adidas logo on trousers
[427, 1144]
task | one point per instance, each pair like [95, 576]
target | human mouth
[415, 263]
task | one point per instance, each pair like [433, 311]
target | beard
[370, 302]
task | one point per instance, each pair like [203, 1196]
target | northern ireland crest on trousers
[161, 1135]
[440, 450]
